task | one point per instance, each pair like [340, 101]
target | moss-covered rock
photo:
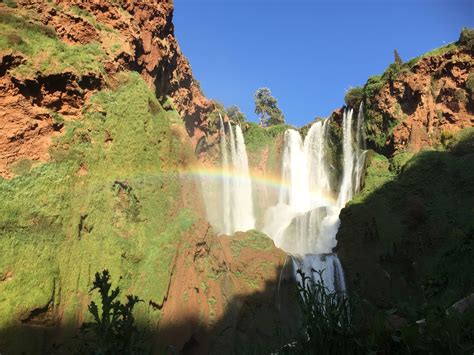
[110, 199]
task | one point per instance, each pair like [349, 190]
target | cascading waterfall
[361, 148]
[237, 202]
[226, 190]
[306, 219]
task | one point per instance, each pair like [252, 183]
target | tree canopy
[234, 113]
[267, 107]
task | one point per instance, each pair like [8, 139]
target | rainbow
[257, 178]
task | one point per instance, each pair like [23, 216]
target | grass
[258, 138]
[124, 214]
[254, 240]
[87, 16]
[44, 52]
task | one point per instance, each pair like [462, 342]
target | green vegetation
[267, 107]
[10, 3]
[396, 58]
[109, 199]
[336, 323]
[21, 166]
[258, 138]
[87, 16]
[413, 222]
[466, 38]
[214, 116]
[113, 329]
[379, 125]
[234, 113]
[470, 86]
[354, 96]
[254, 240]
[45, 53]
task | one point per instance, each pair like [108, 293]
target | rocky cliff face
[407, 236]
[419, 103]
[55, 54]
[427, 101]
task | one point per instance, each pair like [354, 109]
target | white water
[305, 221]
[237, 204]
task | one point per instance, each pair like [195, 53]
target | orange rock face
[429, 100]
[135, 35]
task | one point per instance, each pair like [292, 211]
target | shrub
[398, 162]
[470, 85]
[373, 86]
[113, 328]
[466, 38]
[10, 3]
[326, 322]
[354, 96]
[463, 142]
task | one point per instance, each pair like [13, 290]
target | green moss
[124, 214]
[87, 16]
[44, 52]
[258, 138]
[10, 3]
[212, 307]
[254, 240]
[248, 279]
[377, 174]
[21, 166]
[398, 162]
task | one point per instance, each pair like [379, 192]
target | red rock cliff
[127, 35]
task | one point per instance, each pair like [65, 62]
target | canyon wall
[55, 54]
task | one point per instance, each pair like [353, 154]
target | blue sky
[307, 52]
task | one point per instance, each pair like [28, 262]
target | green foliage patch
[254, 240]
[43, 51]
[109, 199]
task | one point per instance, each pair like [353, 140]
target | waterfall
[315, 146]
[353, 156]
[294, 173]
[361, 148]
[346, 190]
[226, 190]
[332, 276]
[305, 221]
[242, 206]
[235, 212]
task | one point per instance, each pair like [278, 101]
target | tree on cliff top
[235, 114]
[267, 107]
[397, 59]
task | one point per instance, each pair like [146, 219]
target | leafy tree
[235, 114]
[267, 107]
[354, 96]
[113, 330]
[466, 38]
[397, 59]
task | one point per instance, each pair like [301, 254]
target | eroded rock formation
[130, 35]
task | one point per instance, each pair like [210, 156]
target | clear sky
[308, 52]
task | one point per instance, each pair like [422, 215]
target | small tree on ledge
[267, 107]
